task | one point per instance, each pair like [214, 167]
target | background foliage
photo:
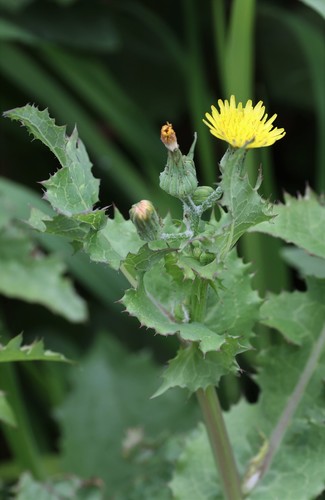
[119, 70]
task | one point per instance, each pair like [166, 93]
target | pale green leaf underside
[300, 221]
[15, 351]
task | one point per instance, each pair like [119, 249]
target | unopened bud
[168, 137]
[179, 177]
[146, 220]
[201, 194]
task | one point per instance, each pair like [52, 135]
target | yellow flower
[243, 126]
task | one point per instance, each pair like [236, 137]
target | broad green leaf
[306, 264]
[65, 488]
[161, 302]
[300, 221]
[289, 376]
[12, 31]
[113, 242]
[15, 351]
[152, 303]
[122, 432]
[245, 207]
[6, 414]
[72, 189]
[234, 309]
[27, 274]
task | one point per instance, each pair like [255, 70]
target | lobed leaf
[72, 189]
[300, 221]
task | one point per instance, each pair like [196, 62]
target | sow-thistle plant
[187, 280]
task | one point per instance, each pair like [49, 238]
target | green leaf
[195, 470]
[14, 351]
[153, 311]
[290, 376]
[245, 207]
[65, 488]
[28, 275]
[299, 221]
[6, 414]
[192, 369]
[72, 189]
[234, 309]
[122, 432]
[114, 242]
[307, 265]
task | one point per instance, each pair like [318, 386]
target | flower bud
[179, 177]
[201, 194]
[146, 220]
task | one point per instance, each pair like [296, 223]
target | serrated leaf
[15, 351]
[245, 207]
[300, 221]
[193, 370]
[145, 258]
[153, 313]
[72, 189]
[235, 307]
[6, 414]
[28, 275]
[64, 488]
[122, 432]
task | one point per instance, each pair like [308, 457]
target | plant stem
[220, 444]
[210, 406]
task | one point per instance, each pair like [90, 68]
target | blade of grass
[198, 93]
[21, 440]
[219, 34]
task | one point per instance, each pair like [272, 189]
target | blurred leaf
[6, 414]
[317, 5]
[307, 265]
[101, 281]
[110, 399]
[14, 5]
[10, 31]
[64, 489]
[27, 275]
[299, 221]
[14, 351]
[82, 25]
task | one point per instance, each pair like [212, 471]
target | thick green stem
[220, 444]
[210, 406]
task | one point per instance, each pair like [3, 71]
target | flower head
[243, 126]
[168, 137]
